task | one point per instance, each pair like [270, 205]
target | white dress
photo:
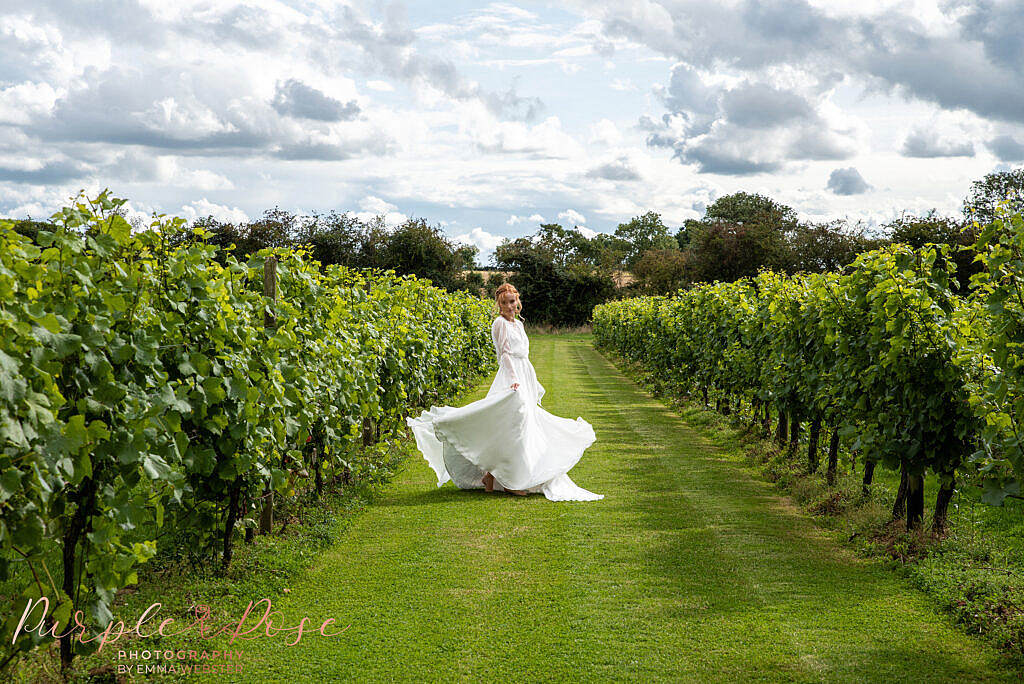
[507, 433]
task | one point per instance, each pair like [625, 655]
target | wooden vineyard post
[269, 322]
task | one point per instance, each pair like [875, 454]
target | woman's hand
[515, 385]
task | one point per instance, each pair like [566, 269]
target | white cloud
[605, 132]
[166, 170]
[545, 140]
[532, 218]
[186, 119]
[223, 213]
[373, 207]
[502, 108]
[204, 179]
[376, 205]
[481, 238]
[572, 216]
[21, 104]
[486, 242]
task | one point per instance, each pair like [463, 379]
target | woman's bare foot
[489, 486]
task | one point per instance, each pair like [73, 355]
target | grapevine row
[145, 386]
[883, 355]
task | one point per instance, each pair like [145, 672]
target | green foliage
[643, 233]
[918, 231]
[417, 248]
[1000, 188]
[738, 235]
[140, 387]
[999, 391]
[556, 286]
[726, 251]
[748, 209]
[896, 326]
[413, 247]
[685, 234]
[605, 252]
[662, 271]
[561, 246]
[829, 246]
[886, 351]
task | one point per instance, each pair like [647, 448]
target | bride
[506, 441]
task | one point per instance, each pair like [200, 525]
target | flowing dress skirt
[508, 435]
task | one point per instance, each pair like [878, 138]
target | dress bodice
[519, 343]
[512, 347]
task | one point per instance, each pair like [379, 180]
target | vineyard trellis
[884, 355]
[144, 385]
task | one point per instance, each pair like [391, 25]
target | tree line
[562, 274]
[412, 248]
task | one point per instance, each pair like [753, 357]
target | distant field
[621, 277]
[487, 274]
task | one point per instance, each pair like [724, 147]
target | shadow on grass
[756, 571]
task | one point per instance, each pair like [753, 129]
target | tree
[605, 252]
[739, 234]
[274, 229]
[493, 282]
[642, 232]
[373, 240]
[827, 246]
[663, 271]
[564, 245]
[30, 228]
[986, 194]
[412, 248]
[744, 208]
[423, 250]
[728, 251]
[476, 280]
[332, 238]
[685, 234]
[918, 231]
[552, 291]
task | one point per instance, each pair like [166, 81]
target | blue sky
[488, 118]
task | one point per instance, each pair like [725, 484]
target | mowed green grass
[690, 569]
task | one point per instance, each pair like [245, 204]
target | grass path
[689, 569]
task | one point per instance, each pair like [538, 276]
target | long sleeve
[503, 348]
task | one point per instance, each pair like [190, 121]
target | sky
[488, 119]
